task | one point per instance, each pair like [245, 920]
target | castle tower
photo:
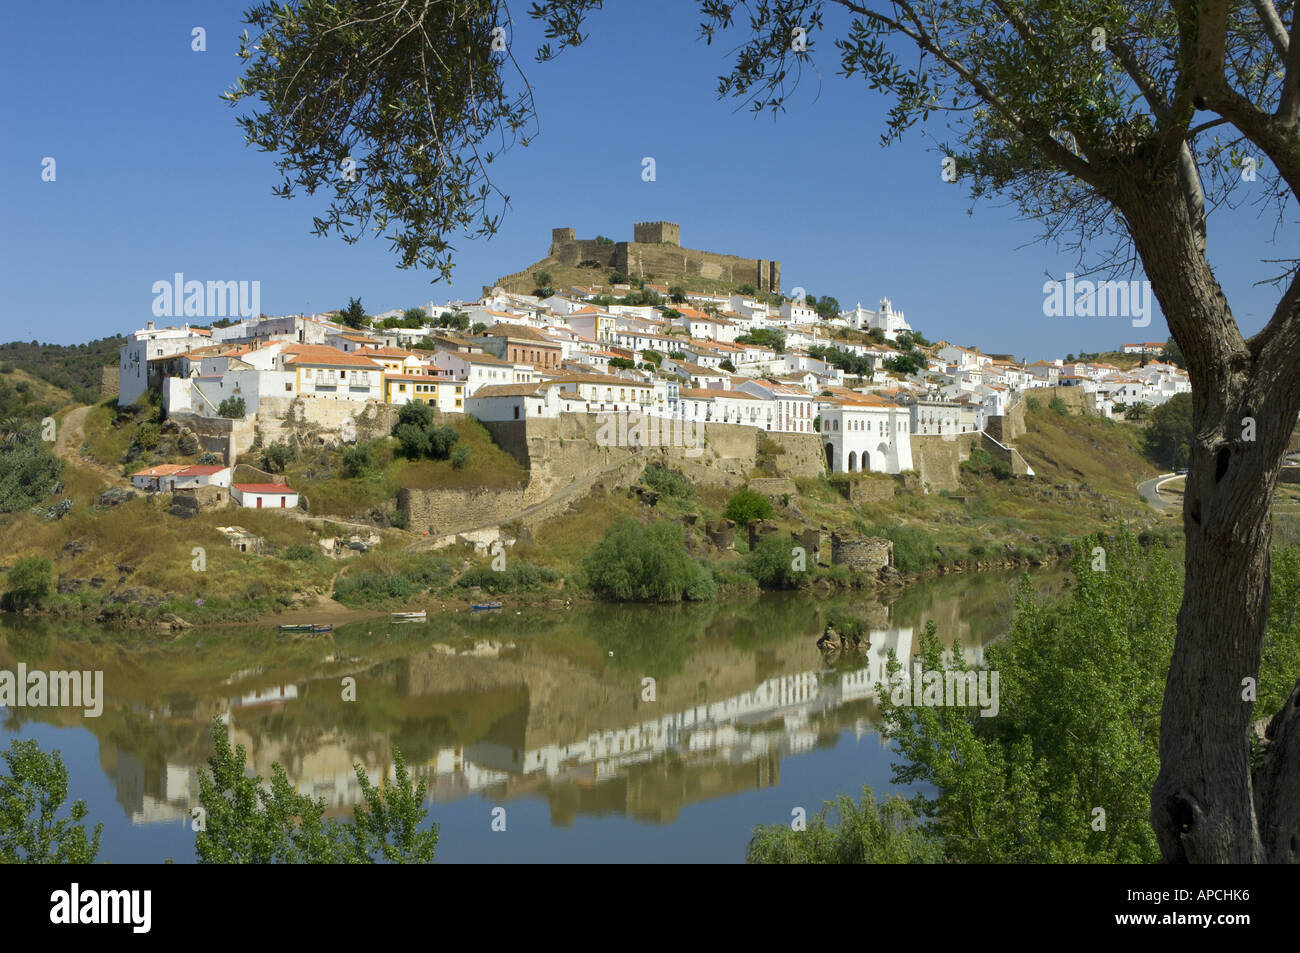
[652, 233]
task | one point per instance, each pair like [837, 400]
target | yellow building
[443, 393]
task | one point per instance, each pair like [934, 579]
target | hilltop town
[863, 379]
[349, 447]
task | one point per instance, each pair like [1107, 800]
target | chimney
[149, 326]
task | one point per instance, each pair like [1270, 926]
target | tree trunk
[1203, 807]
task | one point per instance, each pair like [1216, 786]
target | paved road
[1148, 491]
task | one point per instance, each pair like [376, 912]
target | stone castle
[655, 250]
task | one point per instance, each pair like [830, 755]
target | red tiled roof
[263, 488]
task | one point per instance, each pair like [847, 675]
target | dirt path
[70, 436]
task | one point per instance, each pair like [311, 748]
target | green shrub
[357, 461]
[408, 578]
[28, 584]
[276, 457]
[667, 482]
[232, 407]
[519, 577]
[869, 832]
[1057, 405]
[420, 437]
[635, 563]
[399, 518]
[300, 551]
[29, 472]
[913, 547]
[460, 458]
[771, 563]
[745, 506]
[146, 436]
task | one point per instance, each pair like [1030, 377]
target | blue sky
[153, 178]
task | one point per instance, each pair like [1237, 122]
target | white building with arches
[866, 432]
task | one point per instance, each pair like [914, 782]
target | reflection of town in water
[523, 719]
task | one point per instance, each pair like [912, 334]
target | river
[546, 713]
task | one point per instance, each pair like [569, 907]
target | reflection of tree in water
[650, 640]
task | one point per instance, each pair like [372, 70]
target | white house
[793, 406]
[264, 496]
[886, 319]
[522, 401]
[866, 432]
[329, 372]
[146, 345]
[201, 474]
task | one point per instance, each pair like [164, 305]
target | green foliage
[247, 822]
[517, 577]
[603, 240]
[232, 407]
[676, 294]
[450, 319]
[771, 563]
[869, 832]
[478, 328]
[147, 434]
[1033, 404]
[460, 458]
[29, 471]
[914, 548]
[726, 365]
[748, 290]
[1080, 689]
[1281, 656]
[357, 461]
[277, 456]
[543, 279]
[386, 824]
[827, 306]
[301, 552]
[302, 62]
[392, 583]
[652, 357]
[622, 363]
[910, 362]
[28, 583]
[636, 563]
[764, 337]
[354, 315]
[1171, 353]
[1057, 406]
[207, 459]
[667, 482]
[31, 794]
[1168, 438]
[847, 361]
[420, 437]
[76, 368]
[745, 506]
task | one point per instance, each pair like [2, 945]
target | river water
[546, 714]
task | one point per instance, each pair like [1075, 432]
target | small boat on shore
[483, 606]
[420, 616]
[306, 627]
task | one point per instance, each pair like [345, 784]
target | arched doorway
[830, 457]
[853, 461]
